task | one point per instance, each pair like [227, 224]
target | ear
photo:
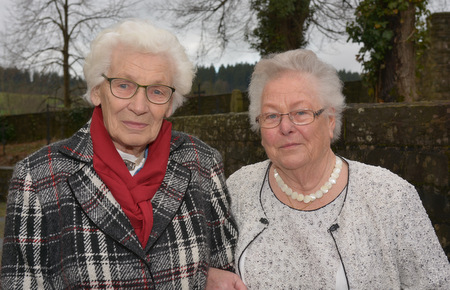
[169, 110]
[332, 122]
[95, 96]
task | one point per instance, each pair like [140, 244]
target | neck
[310, 177]
[138, 152]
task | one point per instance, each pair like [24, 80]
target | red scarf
[133, 193]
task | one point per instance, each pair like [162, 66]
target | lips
[135, 125]
[289, 145]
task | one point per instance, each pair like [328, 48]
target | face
[290, 146]
[135, 122]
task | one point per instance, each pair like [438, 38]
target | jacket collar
[100, 206]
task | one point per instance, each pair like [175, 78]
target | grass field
[15, 104]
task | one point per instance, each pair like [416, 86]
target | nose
[286, 125]
[139, 103]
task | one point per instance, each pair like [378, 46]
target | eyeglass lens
[126, 89]
[300, 117]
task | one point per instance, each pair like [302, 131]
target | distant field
[14, 104]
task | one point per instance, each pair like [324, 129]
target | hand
[222, 280]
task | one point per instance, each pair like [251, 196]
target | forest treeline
[237, 76]
[209, 80]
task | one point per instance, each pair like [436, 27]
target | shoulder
[249, 171]
[374, 176]
[249, 177]
[381, 190]
[188, 147]
[59, 154]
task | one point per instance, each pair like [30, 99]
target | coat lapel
[100, 206]
[168, 199]
[92, 194]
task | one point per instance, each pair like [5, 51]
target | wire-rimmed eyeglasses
[126, 89]
[298, 117]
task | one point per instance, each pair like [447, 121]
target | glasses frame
[315, 114]
[137, 88]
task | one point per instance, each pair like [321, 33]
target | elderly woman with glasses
[126, 202]
[309, 219]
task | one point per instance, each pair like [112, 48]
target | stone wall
[40, 126]
[434, 83]
[411, 140]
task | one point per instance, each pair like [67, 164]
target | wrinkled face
[134, 123]
[291, 146]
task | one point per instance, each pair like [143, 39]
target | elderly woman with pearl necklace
[309, 219]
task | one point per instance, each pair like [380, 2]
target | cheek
[267, 139]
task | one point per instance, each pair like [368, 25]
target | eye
[270, 116]
[122, 84]
[158, 91]
[301, 113]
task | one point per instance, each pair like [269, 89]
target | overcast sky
[339, 54]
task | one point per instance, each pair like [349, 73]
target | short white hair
[301, 61]
[140, 36]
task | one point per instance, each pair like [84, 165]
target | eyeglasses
[298, 117]
[126, 89]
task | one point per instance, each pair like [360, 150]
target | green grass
[15, 104]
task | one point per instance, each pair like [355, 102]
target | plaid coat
[65, 230]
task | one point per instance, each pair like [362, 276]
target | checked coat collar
[97, 207]
[64, 229]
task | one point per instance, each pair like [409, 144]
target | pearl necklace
[307, 198]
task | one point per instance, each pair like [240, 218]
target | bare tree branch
[50, 35]
[221, 21]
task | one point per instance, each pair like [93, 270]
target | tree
[50, 35]
[269, 25]
[291, 19]
[391, 33]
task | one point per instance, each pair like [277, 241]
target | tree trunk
[65, 52]
[397, 81]
[406, 73]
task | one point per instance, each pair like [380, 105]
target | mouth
[289, 145]
[135, 125]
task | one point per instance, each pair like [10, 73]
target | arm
[422, 262]
[223, 230]
[24, 245]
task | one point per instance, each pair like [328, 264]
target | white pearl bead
[307, 199]
[288, 191]
[319, 194]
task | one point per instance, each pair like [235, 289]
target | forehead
[291, 89]
[140, 66]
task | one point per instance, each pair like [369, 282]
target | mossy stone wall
[411, 140]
